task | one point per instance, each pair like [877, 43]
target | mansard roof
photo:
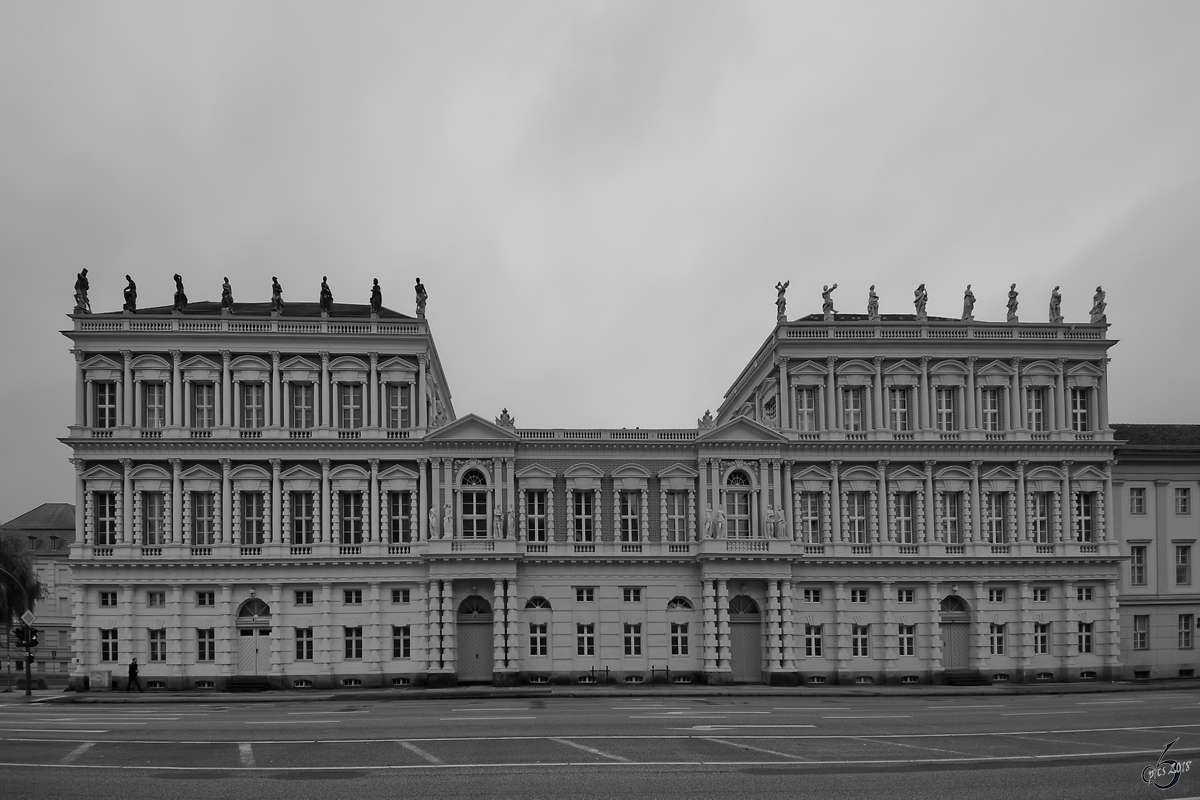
[46, 517]
[1157, 435]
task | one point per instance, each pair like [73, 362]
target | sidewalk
[655, 691]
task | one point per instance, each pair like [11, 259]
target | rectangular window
[535, 516]
[1080, 417]
[401, 596]
[401, 642]
[1137, 500]
[1083, 594]
[676, 517]
[1185, 631]
[206, 644]
[810, 517]
[1041, 638]
[898, 418]
[812, 595]
[906, 596]
[350, 505]
[996, 639]
[108, 599]
[538, 639]
[1085, 517]
[303, 529]
[585, 594]
[399, 517]
[585, 639]
[806, 408]
[950, 506]
[352, 597]
[860, 641]
[1137, 565]
[583, 516]
[632, 595]
[204, 405]
[1039, 518]
[1041, 595]
[1183, 565]
[154, 405]
[153, 524]
[158, 644]
[203, 512]
[1183, 500]
[104, 518]
[350, 405]
[1141, 632]
[106, 404]
[1085, 637]
[812, 641]
[354, 643]
[995, 595]
[907, 640]
[108, 645]
[252, 518]
[856, 517]
[737, 513]
[304, 597]
[633, 639]
[156, 599]
[399, 406]
[852, 409]
[304, 644]
[858, 595]
[1035, 405]
[304, 409]
[906, 531]
[254, 405]
[994, 511]
[206, 600]
[631, 520]
[679, 638]
[946, 409]
[989, 409]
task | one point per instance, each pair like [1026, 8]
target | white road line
[1105, 702]
[1038, 713]
[955, 708]
[289, 721]
[587, 749]
[77, 752]
[650, 708]
[914, 746]
[326, 713]
[871, 716]
[741, 746]
[484, 708]
[52, 730]
[732, 727]
[246, 754]
[430, 757]
[1178, 708]
[812, 708]
[461, 719]
[681, 716]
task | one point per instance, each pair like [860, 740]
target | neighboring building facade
[887, 500]
[48, 531]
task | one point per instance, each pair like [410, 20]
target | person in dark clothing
[133, 677]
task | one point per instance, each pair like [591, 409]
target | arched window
[474, 505]
[953, 604]
[254, 607]
[537, 603]
[474, 607]
[742, 604]
[679, 603]
[737, 505]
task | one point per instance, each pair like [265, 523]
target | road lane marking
[1105, 702]
[463, 719]
[246, 754]
[682, 716]
[430, 757]
[914, 746]
[812, 708]
[318, 713]
[287, 721]
[651, 708]
[750, 747]
[955, 708]
[1038, 713]
[732, 727]
[485, 708]
[587, 749]
[52, 730]
[77, 752]
[870, 716]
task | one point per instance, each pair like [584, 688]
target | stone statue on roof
[920, 298]
[781, 301]
[1098, 306]
[1012, 303]
[872, 304]
[968, 305]
[226, 297]
[276, 296]
[376, 297]
[82, 304]
[130, 296]
[326, 296]
[506, 420]
[180, 296]
[827, 302]
[706, 421]
[422, 297]
[1056, 306]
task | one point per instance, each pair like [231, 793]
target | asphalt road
[1062, 746]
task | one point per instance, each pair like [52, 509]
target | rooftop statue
[1012, 303]
[326, 296]
[130, 296]
[506, 420]
[180, 295]
[376, 297]
[781, 301]
[422, 296]
[1056, 306]
[920, 298]
[706, 421]
[226, 296]
[82, 304]
[872, 304]
[276, 296]
[1098, 306]
[968, 305]
[827, 302]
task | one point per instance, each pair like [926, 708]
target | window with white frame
[1085, 637]
[354, 643]
[679, 638]
[737, 505]
[1186, 626]
[304, 408]
[157, 640]
[1083, 594]
[1085, 516]
[474, 498]
[812, 595]
[1183, 565]
[951, 517]
[401, 596]
[995, 595]
[584, 521]
[156, 599]
[995, 506]
[906, 532]
[989, 409]
[679, 603]
[632, 595]
[352, 597]
[303, 524]
[399, 517]
[104, 518]
[304, 597]
[539, 639]
[304, 644]
[996, 639]
[1039, 517]
[852, 409]
[809, 517]
[401, 642]
[206, 644]
[1080, 410]
[350, 405]
[633, 638]
[1141, 632]
[1041, 638]
[108, 599]
[206, 599]
[398, 406]
[676, 503]
[1183, 500]
[105, 404]
[153, 505]
[350, 510]
[860, 641]
[806, 409]
[108, 645]
[856, 517]
[585, 639]
[858, 595]
[1137, 565]
[1137, 500]
[254, 405]
[813, 643]
[898, 415]
[535, 515]
[204, 405]
[1035, 409]
[631, 520]
[203, 511]
[154, 405]
[946, 409]
[907, 640]
[585, 594]
[1041, 594]
[252, 518]
[906, 595]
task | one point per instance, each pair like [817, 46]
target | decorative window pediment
[1084, 375]
[741, 429]
[535, 476]
[348, 478]
[902, 373]
[200, 472]
[677, 478]
[347, 369]
[251, 478]
[855, 372]
[472, 428]
[583, 477]
[906, 479]
[300, 369]
[201, 368]
[145, 472]
[807, 373]
[102, 479]
[250, 368]
[102, 363]
[630, 477]
[397, 370]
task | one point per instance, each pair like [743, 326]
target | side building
[291, 498]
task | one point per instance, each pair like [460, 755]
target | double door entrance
[254, 651]
[474, 634]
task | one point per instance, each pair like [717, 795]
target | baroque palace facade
[291, 496]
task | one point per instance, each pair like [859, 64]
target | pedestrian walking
[133, 677]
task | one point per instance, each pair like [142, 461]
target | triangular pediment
[199, 472]
[813, 473]
[299, 472]
[677, 471]
[101, 362]
[808, 367]
[101, 472]
[473, 428]
[903, 367]
[1088, 473]
[200, 362]
[994, 368]
[906, 473]
[741, 429]
[397, 472]
[999, 473]
[1085, 368]
[535, 471]
[299, 362]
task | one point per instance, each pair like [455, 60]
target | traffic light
[32, 642]
[20, 633]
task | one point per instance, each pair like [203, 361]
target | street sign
[28, 617]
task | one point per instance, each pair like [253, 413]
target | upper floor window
[252, 518]
[350, 405]
[474, 505]
[302, 518]
[631, 503]
[1035, 409]
[856, 517]
[104, 518]
[852, 409]
[806, 408]
[905, 516]
[1039, 518]
[676, 517]
[737, 505]
[535, 515]
[204, 405]
[1137, 565]
[106, 404]
[1080, 417]
[951, 512]
[254, 408]
[946, 410]
[1137, 500]
[399, 517]
[1183, 565]
[1183, 500]
[398, 405]
[154, 405]
[351, 505]
[1085, 517]
[809, 517]
[898, 416]
[994, 512]
[989, 409]
[153, 504]
[303, 405]
[583, 516]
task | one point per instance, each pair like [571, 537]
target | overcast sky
[599, 197]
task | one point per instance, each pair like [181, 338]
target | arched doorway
[745, 640]
[956, 629]
[474, 640]
[254, 637]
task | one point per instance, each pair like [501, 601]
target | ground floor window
[158, 644]
[633, 639]
[908, 640]
[1085, 637]
[1185, 631]
[996, 639]
[354, 643]
[206, 644]
[304, 644]
[679, 638]
[860, 641]
[585, 639]
[108, 644]
[813, 644]
[1041, 638]
[538, 639]
[401, 641]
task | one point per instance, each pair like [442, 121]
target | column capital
[971, 361]
[882, 464]
[127, 355]
[1016, 361]
[877, 361]
[324, 462]
[421, 462]
[225, 357]
[1062, 363]
[422, 360]
[176, 355]
[275, 358]
[975, 465]
[176, 464]
[830, 361]
[275, 464]
[1021, 465]
[373, 463]
[783, 360]
[79, 355]
[924, 360]
[374, 358]
[324, 354]
[225, 464]
[79, 464]
[126, 464]
[929, 465]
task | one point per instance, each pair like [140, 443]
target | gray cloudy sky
[599, 197]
